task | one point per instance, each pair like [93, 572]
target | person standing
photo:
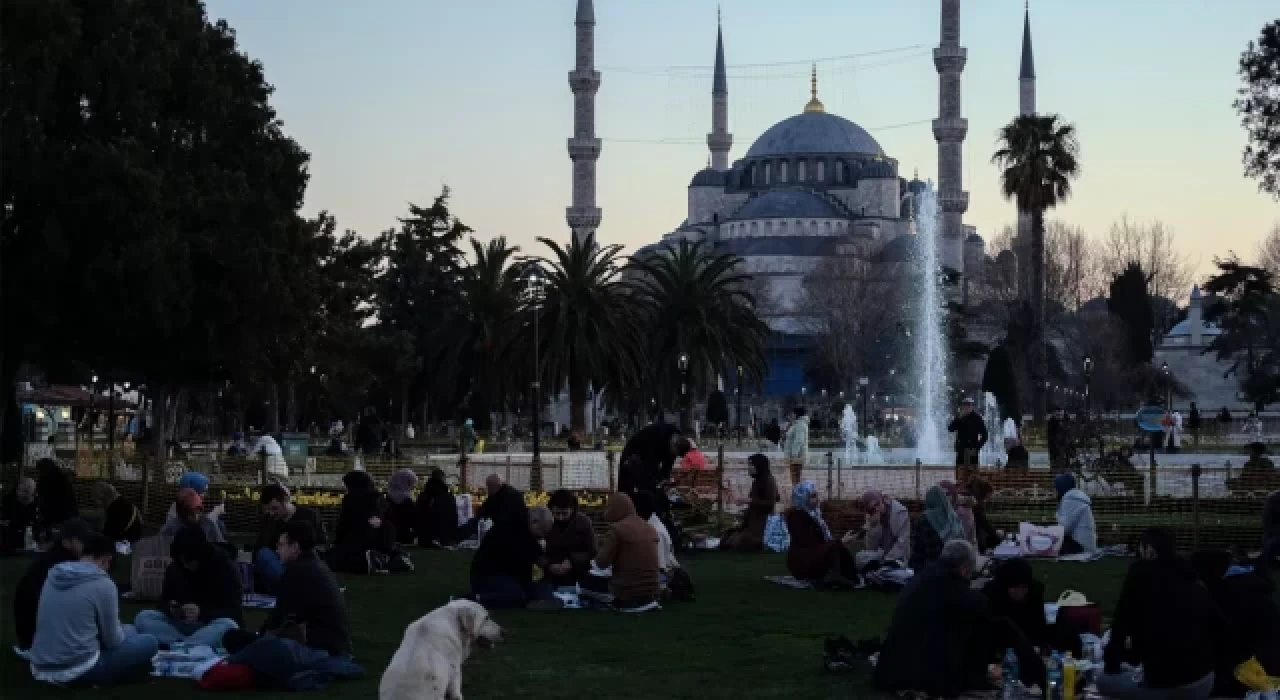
[1193, 424]
[795, 446]
[971, 434]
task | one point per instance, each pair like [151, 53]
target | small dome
[877, 169]
[787, 204]
[974, 239]
[814, 133]
[1183, 328]
[916, 186]
[902, 249]
[709, 177]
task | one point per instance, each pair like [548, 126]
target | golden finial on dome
[815, 105]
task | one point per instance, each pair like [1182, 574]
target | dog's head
[475, 623]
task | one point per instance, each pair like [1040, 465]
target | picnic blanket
[187, 662]
[789, 581]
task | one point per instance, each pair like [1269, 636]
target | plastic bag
[776, 537]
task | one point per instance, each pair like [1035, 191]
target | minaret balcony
[950, 59]
[588, 148]
[719, 142]
[956, 201]
[950, 129]
[582, 217]
[584, 80]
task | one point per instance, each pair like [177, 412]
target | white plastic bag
[776, 537]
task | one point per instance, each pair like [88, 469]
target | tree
[1269, 251]
[1001, 380]
[851, 331]
[588, 333]
[695, 302]
[1039, 158]
[1128, 300]
[1153, 247]
[1259, 108]
[1247, 310]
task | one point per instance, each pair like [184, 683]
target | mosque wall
[705, 202]
[784, 227]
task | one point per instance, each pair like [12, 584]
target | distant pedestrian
[1224, 421]
[971, 434]
[1193, 424]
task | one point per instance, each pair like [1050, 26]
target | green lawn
[744, 637]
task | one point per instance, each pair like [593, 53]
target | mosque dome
[709, 177]
[787, 204]
[814, 132]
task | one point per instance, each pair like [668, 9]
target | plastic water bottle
[1009, 676]
[1053, 678]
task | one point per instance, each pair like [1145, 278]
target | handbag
[150, 559]
[1040, 541]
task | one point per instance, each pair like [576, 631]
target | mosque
[812, 186]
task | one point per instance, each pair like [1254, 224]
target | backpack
[150, 559]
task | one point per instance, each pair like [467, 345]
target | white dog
[428, 664]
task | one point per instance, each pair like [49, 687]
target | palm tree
[483, 331]
[586, 330]
[697, 305]
[1039, 157]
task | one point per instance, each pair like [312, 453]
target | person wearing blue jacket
[79, 638]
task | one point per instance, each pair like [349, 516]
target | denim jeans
[167, 630]
[508, 592]
[130, 660]
[1125, 686]
[267, 568]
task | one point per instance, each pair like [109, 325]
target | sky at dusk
[395, 98]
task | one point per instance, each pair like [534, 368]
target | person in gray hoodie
[1075, 515]
[79, 638]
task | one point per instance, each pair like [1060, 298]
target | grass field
[744, 637]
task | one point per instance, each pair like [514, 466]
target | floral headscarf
[800, 496]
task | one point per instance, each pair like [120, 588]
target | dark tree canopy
[1259, 108]
[1001, 380]
[1246, 308]
[1128, 300]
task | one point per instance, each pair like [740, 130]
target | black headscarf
[361, 501]
[1014, 572]
[54, 495]
[760, 464]
[436, 485]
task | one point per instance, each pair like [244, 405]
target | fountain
[931, 350]
[993, 453]
[874, 456]
[849, 431]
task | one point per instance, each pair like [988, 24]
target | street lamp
[737, 393]
[1088, 380]
[1168, 387]
[683, 363]
[536, 289]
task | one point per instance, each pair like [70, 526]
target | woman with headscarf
[814, 555]
[437, 523]
[201, 594]
[401, 511]
[1017, 596]
[1075, 515]
[55, 498]
[962, 504]
[935, 527]
[188, 509]
[888, 526]
[198, 483]
[17, 513]
[761, 500]
[121, 521]
[365, 541]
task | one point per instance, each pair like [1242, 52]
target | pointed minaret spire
[1027, 72]
[719, 140]
[584, 148]
[815, 105]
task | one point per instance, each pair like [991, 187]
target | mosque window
[802, 171]
[822, 171]
[782, 227]
[842, 173]
[828, 228]
[767, 170]
[753, 176]
[782, 171]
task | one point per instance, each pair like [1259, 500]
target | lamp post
[536, 289]
[737, 394]
[93, 389]
[682, 363]
[1168, 387]
[1088, 380]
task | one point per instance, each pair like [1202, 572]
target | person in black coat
[364, 542]
[1246, 597]
[17, 513]
[658, 446]
[201, 594]
[437, 513]
[67, 546]
[1164, 621]
[55, 498]
[943, 634]
[1018, 597]
[401, 511]
[121, 521]
[971, 434]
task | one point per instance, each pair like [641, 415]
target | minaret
[949, 130]
[1026, 107]
[719, 140]
[584, 147]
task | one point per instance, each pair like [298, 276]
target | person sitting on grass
[666, 548]
[502, 570]
[364, 542]
[68, 545]
[55, 497]
[437, 513]
[1016, 595]
[200, 484]
[1075, 515]
[310, 609]
[761, 501]
[189, 512]
[943, 635]
[1247, 598]
[1258, 472]
[17, 513]
[571, 542]
[888, 529]
[201, 593]
[986, 534]
[401, 512]
[79, 638]
[934, 528]
[278, 511]
[1166, 622]
[814, 555]
[121, 520]
[630, 548]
